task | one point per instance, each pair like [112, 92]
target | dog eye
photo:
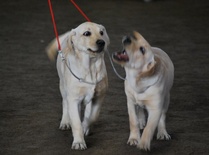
[101, 32]
[142, 49]
[87, 33]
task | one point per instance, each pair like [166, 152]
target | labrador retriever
[149, 78]
[83, 77]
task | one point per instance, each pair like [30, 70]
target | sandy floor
[30, 102]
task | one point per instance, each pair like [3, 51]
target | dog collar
[68, 66]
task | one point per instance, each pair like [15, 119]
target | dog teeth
[124, 52]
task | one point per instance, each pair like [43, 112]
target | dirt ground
[30, 101]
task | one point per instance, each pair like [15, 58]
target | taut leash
[59, 46]
[81, 12]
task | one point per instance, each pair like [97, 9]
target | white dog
[149, 78]
[83, 77]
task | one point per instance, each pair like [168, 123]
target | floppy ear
[107, 37]
[151, 64]
[150, 68]
[66, 41]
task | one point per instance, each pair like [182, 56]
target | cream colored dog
[149, 78]
[83, 77]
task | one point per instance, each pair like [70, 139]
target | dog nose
[100, 43]
[126, 40]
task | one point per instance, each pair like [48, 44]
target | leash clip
[61, 55]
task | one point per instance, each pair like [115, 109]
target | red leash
[58, 42]
[79, 9]
[54, 23]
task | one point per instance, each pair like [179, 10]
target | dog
[83, 77]
[149, 78]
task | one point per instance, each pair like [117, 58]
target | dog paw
[132, 142]
[86, 129]
[163, 136]
[144, 145]
[79, 146]
[64, 126]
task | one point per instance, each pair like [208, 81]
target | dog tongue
[123, 56]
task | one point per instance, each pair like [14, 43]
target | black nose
[126, 40]
[100, 43]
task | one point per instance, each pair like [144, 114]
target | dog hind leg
[85, 123]
[141, 117]
[91, 114]
[162, 133]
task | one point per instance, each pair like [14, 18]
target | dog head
[89, 37]
[136, 53]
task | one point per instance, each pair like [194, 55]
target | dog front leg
[162, 133]
[65, 122]
[92, 111]
[134, 136]
[77, 130]
[153, 119]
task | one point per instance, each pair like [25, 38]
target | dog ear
[67, 44]
[107, 37]
[151, 64]
[70, 39]
[150, 68]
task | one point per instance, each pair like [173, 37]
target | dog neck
[85, 66]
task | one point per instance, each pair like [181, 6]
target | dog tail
[51, 50]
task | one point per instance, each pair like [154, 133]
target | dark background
[30, 101]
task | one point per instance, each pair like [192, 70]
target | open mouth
[121, 56]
